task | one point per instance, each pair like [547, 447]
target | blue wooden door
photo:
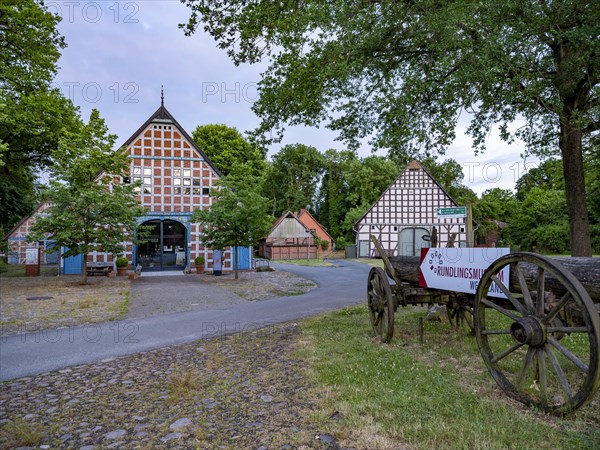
[244, 257]
[73, 265]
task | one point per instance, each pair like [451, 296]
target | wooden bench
[99, 268]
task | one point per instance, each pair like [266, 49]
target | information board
[457, 212]
[31, 256]
[460, 269]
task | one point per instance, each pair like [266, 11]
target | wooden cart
[541, 343]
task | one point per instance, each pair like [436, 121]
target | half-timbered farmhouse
[315, 227]
[405, 219]
[176, 177]
[289, 239]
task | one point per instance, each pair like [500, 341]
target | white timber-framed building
[405, 219]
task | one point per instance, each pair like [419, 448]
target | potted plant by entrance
[122, 265]
[199, 262]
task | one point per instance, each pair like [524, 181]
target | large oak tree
[402, 72]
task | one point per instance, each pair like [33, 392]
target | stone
[88, 447]
[115, 434]
[170, 436]
[253, 424]
[327, 438]
[266, 398]
[184, 422]
[438, 313]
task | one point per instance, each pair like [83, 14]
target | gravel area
[166, 294]
[39, 303]
[257, 286]
[243, 391]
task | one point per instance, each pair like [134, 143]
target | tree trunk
[235, 265]
[570, 147]
[586, 270]
[84, 269]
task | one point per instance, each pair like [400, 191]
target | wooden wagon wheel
[542, 347]
[381, 304]
[461, 316]
[460, 313]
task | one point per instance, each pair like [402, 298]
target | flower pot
[200, 269]
[121, 271]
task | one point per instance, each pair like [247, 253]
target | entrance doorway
[165, 246]
[412, 240]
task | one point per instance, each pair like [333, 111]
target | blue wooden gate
[73, 265]
[244, 254]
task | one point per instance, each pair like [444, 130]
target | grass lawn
[305, 262]
[435, 395]
[377, 262]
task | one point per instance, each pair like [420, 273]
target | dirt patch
[59, 301]
[104, 299]
[239, 391]
[255, 286]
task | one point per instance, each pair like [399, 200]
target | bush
[324, 245]
[199, 260]
[122, 262]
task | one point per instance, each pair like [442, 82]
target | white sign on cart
[460, 269]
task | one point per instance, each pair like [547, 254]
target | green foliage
[548, 175]
[495, 205]
[199, 260]
[292, 179]
[348, 181]
[237, 217]
[32, 113]
[122, 262]
[227, 148]
[541, 223]
[401, 73]
[29, 36]
[324, 244]
[90, 209]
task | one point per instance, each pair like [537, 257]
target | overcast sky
[120, 53]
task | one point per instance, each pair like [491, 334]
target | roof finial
[162, 96]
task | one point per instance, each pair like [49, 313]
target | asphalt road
[39, 352]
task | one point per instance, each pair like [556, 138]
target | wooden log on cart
[586, 270]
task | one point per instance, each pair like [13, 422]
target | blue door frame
[244, 255]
